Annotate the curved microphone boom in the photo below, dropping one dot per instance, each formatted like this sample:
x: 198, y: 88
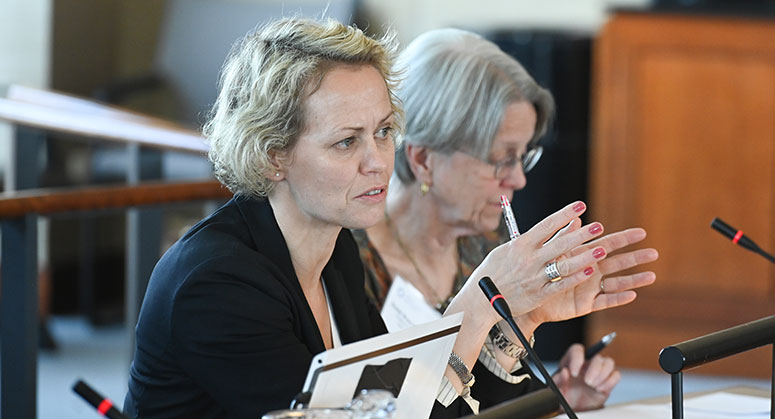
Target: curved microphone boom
x: 500, y: 305
x: 739, y: 238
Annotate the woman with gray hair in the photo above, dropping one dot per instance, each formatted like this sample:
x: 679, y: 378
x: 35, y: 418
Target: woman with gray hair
x: 474, y: 121
x: 303, y: 133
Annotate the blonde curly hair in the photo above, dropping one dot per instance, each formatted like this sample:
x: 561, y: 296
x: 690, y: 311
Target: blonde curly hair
x: 262, y: 86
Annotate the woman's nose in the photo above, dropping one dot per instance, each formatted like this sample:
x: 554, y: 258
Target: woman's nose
x: 377, y: 158
x: 516, y: 179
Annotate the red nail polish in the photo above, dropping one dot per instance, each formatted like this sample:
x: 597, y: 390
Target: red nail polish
x: 596, y: 228
x: 579, y: 207
x: 598, y: 253
x: 588, y: 271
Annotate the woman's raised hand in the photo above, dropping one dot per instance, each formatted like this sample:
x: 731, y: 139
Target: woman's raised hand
x: 518, y: 267
x: 601, y: 291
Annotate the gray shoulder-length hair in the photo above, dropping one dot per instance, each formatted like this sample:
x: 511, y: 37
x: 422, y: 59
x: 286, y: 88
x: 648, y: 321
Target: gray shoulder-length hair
x: 455, y: 89
x: 262, y: 87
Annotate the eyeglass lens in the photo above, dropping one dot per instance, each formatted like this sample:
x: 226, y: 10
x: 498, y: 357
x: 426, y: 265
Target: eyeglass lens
x: 529, y: 160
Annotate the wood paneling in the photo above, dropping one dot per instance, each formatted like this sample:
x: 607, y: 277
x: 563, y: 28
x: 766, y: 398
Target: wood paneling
x: 684, y: 131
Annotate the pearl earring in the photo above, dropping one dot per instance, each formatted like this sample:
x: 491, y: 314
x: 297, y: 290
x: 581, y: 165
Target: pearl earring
x: 277, y: 174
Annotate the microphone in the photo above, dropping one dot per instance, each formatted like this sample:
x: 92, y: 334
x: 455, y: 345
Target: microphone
x: 498, y: 302
x: 739, y: 238
x: 102, y: 404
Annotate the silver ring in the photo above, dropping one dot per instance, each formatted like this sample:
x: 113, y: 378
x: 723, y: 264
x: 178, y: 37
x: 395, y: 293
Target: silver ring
x: 602, y: 288
x: 551, y: 272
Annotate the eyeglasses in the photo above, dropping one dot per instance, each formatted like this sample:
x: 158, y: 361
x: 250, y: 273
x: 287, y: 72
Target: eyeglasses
x: 529, y: 159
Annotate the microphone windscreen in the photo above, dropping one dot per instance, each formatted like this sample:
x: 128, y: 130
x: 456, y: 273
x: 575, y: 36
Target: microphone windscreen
x: 488, y: 287
x: 91, y: 396
x: 723, y: 228
x: 491, y: 291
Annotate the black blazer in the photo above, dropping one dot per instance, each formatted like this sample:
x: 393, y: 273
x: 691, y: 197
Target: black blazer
x: 225, y: 329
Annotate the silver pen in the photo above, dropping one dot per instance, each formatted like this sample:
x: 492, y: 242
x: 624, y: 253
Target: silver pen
x: 511, y: 222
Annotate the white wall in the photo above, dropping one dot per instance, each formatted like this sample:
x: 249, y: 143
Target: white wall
x: 26, y: 28
x: 412, y: 17
x: 25, y: 45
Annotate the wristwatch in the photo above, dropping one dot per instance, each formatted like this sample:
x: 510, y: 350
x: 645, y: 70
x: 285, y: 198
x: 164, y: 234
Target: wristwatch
x: 506, y: 345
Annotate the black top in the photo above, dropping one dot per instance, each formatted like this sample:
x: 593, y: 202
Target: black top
x: 225, y: 329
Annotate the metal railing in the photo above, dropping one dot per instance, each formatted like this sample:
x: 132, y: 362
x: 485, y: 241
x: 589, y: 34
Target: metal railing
x: 51, y: 111
x: 698, y: 351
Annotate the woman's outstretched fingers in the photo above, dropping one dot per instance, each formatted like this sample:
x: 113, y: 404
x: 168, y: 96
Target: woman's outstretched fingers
x: 572, y: 226
x: 580, y: 266
x: 614, y: 284
x: 545, y: 229
x: 619, y: 239
x: 618, y: 290
x: 614, y: 241
x: 567, y: 243
x: 605, y: 301
x: 627, y: 260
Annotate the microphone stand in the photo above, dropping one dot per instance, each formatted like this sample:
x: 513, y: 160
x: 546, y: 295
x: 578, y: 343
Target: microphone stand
x: 740, y: 239
x: 499, y: 304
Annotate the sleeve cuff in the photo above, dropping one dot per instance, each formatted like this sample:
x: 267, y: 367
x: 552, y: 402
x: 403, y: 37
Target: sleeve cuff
x: 447, y: 394
x: 487, y: 358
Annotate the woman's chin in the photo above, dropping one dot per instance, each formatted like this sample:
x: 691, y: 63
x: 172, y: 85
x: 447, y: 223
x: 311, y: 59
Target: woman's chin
x: 365, y: 221
x: 488, y: 225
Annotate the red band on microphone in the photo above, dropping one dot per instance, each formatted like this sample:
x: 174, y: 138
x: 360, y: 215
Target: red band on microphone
x: 737, y: 236
x: 104, y: 406
x: 492, y: 300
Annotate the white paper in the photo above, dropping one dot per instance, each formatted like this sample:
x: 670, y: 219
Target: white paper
x: 730, y: 404
x: 719, y: 405
x: 405, y: 306
x: 334, y: 387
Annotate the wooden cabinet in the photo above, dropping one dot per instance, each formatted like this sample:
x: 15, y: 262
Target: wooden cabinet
x: 684, y: 131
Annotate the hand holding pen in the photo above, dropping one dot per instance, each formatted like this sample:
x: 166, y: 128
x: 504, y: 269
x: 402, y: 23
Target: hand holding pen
x: 596, y: 347
x: 585, y: 379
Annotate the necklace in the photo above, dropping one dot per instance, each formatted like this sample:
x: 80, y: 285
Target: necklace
x: 441, y: 303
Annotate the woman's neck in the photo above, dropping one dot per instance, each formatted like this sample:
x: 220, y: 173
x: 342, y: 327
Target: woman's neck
x: 310, y: 242
x: 419, y: 221
x: 415, y: 244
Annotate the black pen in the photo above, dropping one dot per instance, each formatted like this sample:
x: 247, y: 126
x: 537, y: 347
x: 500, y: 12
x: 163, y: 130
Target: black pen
x: 596, y: 347
x: 599, y: 345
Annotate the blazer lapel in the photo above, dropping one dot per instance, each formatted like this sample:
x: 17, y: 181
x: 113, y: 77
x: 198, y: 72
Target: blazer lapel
x: 269, y: 241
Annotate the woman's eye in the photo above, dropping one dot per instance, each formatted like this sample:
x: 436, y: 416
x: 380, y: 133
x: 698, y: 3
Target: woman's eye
x: 384, y: 132
x: 346, y: 143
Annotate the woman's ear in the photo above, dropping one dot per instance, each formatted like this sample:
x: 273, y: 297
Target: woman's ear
x: 421, y: 162
x: 278, y: 160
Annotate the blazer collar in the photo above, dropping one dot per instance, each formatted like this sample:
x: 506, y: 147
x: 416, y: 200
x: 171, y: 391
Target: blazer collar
x: 267, y: 237
x: 268, y: 240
